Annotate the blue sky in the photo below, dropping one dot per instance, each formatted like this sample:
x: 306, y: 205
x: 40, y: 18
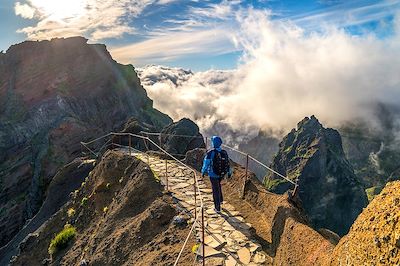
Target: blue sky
x: 199, y: 35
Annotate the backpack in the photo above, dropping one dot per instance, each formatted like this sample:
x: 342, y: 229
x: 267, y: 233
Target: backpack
x: 220, y: 163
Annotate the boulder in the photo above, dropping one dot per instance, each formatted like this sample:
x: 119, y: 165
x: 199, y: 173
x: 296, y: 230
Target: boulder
x: 180, y: 137
x: 195, y: 158
x: 328, y: 189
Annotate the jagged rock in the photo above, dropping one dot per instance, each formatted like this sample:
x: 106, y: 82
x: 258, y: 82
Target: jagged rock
x: 173, y: 138
x: 330, y: 192
x: 179, y: 220
x: 134, y: 126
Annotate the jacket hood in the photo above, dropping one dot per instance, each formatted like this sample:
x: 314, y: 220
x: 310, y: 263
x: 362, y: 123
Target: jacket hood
x: 216, y: 141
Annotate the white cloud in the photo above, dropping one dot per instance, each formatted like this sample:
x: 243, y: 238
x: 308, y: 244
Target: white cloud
x: 348, y: 13
x: 172, y: 45
x: 24, y: 10
x: 165, y: 2
x: 286, y: 74
x: 95, y: 19
x: 202, y: 30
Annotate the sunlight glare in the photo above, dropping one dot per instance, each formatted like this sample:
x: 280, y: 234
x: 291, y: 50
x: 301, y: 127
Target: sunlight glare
x: 60, y: 9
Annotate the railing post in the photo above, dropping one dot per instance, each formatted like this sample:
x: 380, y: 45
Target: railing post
x: 296, y: 187
x: 130, y: 144
x: 119, y: 140
x: 112, y: 141
x: 247, y: 165
x: 195, y: 196
x: 202, y: 235
x: 166, y: 172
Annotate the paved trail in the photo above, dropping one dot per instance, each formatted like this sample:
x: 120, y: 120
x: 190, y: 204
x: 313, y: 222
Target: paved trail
x: 228, y: 238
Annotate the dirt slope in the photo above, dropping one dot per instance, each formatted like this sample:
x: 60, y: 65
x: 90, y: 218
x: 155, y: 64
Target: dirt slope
x: 67, y: 179
x: 135, y: 229
x: 374, y: 238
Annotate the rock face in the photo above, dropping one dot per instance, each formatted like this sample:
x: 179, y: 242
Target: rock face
x: 54, y: 94
x: 374, y: 238
x: 329, y: 191
x: 373, y: 147
x: 173, y: 138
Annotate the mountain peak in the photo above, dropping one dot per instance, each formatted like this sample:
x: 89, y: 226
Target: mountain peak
x: 313, y: 156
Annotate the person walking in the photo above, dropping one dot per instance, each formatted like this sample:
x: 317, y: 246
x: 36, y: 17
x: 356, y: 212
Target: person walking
x: 216, y: 165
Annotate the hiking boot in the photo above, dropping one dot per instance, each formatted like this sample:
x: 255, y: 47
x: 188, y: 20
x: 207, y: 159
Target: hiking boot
x: 217, y: 211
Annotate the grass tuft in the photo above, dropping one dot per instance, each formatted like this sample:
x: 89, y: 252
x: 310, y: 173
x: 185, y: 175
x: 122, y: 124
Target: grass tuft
x: 62, y: 239
x: 84, y: 201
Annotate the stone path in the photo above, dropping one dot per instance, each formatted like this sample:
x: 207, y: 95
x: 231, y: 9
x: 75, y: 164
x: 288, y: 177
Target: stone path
x: 227, y: 235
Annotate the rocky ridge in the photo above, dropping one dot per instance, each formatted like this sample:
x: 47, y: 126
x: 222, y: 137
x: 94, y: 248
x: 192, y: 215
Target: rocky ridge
x: 329, y: 191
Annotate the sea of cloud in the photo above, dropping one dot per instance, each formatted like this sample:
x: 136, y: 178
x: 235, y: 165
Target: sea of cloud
x: 285, y: 74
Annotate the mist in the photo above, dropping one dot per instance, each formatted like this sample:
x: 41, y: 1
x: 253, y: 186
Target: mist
x: 285, y: 74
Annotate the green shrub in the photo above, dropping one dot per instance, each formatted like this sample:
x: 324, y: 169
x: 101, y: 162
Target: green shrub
x: 372, y: 192
x: 62, y: 239
x: 84, y: 201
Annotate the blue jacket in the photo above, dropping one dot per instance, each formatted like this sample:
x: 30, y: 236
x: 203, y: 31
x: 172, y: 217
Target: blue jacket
x: 208, y: 158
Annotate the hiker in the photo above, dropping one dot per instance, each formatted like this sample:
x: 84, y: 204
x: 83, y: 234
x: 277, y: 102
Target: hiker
x: 216, y: 165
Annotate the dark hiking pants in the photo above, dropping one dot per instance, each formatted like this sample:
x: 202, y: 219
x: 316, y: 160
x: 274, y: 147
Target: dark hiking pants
x: 217, y: 192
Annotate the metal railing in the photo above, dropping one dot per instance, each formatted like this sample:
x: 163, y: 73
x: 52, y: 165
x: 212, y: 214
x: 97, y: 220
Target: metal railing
x: 249, y: 162
x: 104, y: 142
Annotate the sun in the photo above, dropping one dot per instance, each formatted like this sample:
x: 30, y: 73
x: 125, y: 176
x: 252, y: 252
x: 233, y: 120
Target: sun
x: 60, y: 9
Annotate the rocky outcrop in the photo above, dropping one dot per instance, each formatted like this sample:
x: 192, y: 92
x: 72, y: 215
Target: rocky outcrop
x: 374, y: 238
x: 174, y: 137
x: 195, y: 158
x: 329, y: 191
x: 54, y: 94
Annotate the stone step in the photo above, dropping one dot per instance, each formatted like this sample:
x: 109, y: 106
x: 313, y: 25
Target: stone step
x: 227, y: 235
